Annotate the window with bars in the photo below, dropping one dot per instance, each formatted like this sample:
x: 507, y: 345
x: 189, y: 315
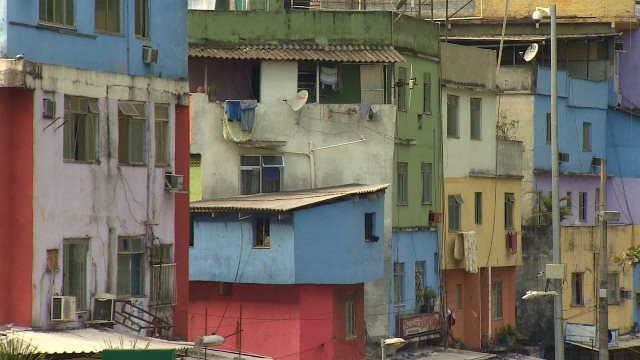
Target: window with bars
x: 455, y: 212
x: 453, y: 114
x: 582, y: 206
x: 262, y: 239
x: 162, y: 134
x: 57, y: 12
x: 478, y: 207
x: 426, y: 93
x: 403, y: 183
x: 398, y: 283
x: 426, y: 170
x: 509, y: 202
x: 80, y: 128
x: 350, y: 315
x: 401, y: 89
x: 131, y: 133
x: 163, y: 272
x: 107, y: 16
x: 420, y: 280
x: 476, y: 118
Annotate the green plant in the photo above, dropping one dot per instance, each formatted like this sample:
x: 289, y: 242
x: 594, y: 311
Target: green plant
x: 543, y: 210
x: 506, y: 128
x: 212, y: 90
x: 427, y: 299
x: 508, y: 335
x: 629, y: 257
x: 15, y: 348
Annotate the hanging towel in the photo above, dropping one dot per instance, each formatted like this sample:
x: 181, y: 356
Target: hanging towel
x: 458, y: 248
x: 374, y: 113
x: 470, y: 252
x: 329, y: 76
x: 247, y: 114
x: 365, y: 108
x: 233, y: 110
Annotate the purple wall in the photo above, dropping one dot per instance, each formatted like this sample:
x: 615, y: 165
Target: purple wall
x: 629, y: 71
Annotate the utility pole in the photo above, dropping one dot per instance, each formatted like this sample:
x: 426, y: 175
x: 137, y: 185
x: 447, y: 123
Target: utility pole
x: 603, y: 306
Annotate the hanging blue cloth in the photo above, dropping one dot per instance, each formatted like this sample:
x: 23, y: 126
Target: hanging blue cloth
x: 233, y: 110
x: 247, y: 114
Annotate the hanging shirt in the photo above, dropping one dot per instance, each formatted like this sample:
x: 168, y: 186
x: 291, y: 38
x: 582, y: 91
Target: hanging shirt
x: 247, y: 114
x: 233, y: 110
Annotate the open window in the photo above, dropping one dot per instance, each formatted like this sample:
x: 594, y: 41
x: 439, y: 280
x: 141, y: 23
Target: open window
x: 262, y: 239
x: 370, y: 227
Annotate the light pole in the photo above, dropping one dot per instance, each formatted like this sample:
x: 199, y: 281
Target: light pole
x: 555, y: 192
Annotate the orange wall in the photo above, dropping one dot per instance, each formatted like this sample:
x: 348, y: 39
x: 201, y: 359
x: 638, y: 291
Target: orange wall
x: 16, y: 205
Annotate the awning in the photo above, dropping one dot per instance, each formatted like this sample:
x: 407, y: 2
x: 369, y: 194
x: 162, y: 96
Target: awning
x: 89, y: 341
x: 315, y: 52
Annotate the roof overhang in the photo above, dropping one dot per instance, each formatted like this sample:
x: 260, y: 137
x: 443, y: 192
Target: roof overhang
x: 295, y: 52
x: 529, y: 38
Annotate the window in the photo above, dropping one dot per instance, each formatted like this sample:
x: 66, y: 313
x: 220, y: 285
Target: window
x: 192, y: 219
x: 452, y: 116
x: 582, y: 206
x: 57, y: 12
x: 162, y: 134
x: 401, y: 87
x: 195, y: 177
x: 454, y: 202
x: 613, y: 288
x: 80, y: 128
x: 108, y: 16
x: 496, y: 299
x: 459, y: 296
x: 426, y: 93
x: 586, y: 136
x: 307, y: 78
x: 596, y: 200
x: 370, y: 227
x: 548, y: 128
x: 403, y: 183
x: 509, y: 200
x: 398, y: 283
x: 569, y: 200
x: 260, y: 174
x: 419, y: 280
x: 262, y: 233
x: 74, y: 273
x: 478, y: 207
x: 350, y: 314
x: 427, y: 175
x: 577, y: 298
x: 131, y: 133
x: 142, y: 18
x: 162, y: 275
x: 476, y: 118
x: 372, y: 84
x: 131, y: 266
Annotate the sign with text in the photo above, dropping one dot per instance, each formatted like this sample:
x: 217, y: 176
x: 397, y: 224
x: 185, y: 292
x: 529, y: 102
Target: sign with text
x: 418, y: 324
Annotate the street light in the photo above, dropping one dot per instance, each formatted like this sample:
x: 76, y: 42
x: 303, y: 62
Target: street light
x: 555, y: 193
x: 209, y: 340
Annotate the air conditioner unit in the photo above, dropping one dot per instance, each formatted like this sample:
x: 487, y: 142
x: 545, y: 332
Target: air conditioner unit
x: 48, y: 108
x: 173, y: 182
x: 596, y: 161
x: 103, y: 309
x: 149, y: 55
x: 638, y: 296
x: 625, y: 294
x: 563, y: 157
x: 435, y: 217
x: 63, y: 308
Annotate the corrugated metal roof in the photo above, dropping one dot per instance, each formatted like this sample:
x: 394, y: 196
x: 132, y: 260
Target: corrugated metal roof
x: 90, y: 341
x: 530, y: 37
x: 284, y: 201
x: 317, y: 52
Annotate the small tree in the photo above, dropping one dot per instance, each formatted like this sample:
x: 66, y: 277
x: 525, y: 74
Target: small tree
x: 506, y: 128
x: 543, y: 210
x: 629, y: 257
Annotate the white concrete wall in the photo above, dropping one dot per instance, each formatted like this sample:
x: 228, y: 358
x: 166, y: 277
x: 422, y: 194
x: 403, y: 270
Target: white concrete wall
x: 98, y: 201
x: 463, y: 155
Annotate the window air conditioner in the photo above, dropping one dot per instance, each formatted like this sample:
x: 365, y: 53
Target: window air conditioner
x: 63, y: 308
x: 48, y: 108
x: 149, y: 55
x: 173, y: 182
x: 435, y: 217
x: 625, y: 294
x: 103, y: 309
x: 563, y: 157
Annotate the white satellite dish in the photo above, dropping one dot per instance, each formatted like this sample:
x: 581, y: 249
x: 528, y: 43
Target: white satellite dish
x: 298, y: 102
x: 531, y: 52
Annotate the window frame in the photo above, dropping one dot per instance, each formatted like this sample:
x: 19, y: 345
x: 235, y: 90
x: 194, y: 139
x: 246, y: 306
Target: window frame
x: 401, y: 88
x: 262, y: 237
x: 142, y: 21
x: 453, y: 116
x: 69, y: 271
x: 454, y: 207
x: 258, y: 169
x: 113, y: 29
x: 509, y: 209
x: 163, y: 272
x: 548, y: 129
x: 132, y: 255
x: 350, y: 315
x: 162, y: 138
x: 582, y: 206
x: 577, y: 289
x: 459, y: 300
x: 398, y: 284
x: 370, y: 227
x: 496, y: 300
x: 475, y: 129
x: 402, y: 176
x: 65, y: 15
x: 426, y: 172
x: 420, y: 276
x: 129, y: 114
x: 613, y: 288
x: 586, y: 136
x: 426, y: 93
x: 478, y: 207
x: 76, y: 120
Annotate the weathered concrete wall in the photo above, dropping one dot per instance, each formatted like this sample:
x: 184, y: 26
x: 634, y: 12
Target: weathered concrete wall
x: 509, y: 158
x: 468, y: 66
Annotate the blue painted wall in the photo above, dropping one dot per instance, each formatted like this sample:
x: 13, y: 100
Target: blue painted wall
x: 331, y: 246
x: 318, y: 245
x: 636, y: 288
x: 409, y: 247
x: 85, y: 48
x: 578, y: 101
x: 623, y: 148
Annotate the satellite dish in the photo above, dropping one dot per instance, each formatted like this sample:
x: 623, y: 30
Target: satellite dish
x: 298, y: 102
x: 531, y: 52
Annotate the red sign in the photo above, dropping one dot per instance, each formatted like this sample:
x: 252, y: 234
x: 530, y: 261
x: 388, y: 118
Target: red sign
x: 418, y: 324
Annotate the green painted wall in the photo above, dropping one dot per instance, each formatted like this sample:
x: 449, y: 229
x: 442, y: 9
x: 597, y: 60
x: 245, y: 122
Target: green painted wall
x: 117, y: 354
x: 425, y: 130
x: 349, y: 93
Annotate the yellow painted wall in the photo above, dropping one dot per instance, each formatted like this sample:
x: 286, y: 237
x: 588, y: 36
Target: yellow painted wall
x: 491, y: 240
x: 593, y: 9
x: 195, y: 180
x: 579, y: 251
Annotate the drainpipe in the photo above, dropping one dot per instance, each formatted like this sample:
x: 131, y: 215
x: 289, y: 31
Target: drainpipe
x: 112, y: 179
x: 489, y: 317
